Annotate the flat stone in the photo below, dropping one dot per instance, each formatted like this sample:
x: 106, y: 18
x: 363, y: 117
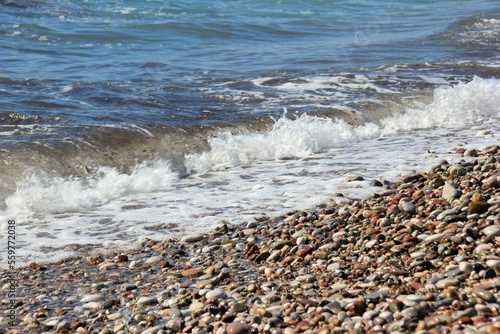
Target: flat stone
x: 238, y: 328
x: 443, y: 214
x: 478, y: 207
x: 192, y: 272
x: 491, y: 231
x: 147, y: 300
x: 484, y: 295
x: 191, y: 238
x: 274, y: 256
x: 153, y: 260
x: 410, y: 312
x: 196, y: 306
x: 215, y: 294
x: 92, y: 298
x: 466, y: 266
x: 92, y: 305
x: 418, y: 255
x: 371, y: 243
x: 493, y: 263
x: 352, y: 178
x: 444, y: 283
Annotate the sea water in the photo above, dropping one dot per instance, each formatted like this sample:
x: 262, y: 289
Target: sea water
x: 127, y: 120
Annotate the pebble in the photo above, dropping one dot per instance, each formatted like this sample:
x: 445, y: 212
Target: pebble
x: 215, y: 294
x: 191, y: 238
x: 92, y: 298
x: 237, y: 328
x: 147, y: 300
x: 491, y: 231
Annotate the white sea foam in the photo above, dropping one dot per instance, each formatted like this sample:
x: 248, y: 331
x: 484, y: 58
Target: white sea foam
x: 249, y: 176
x: 39, y: 194
x: 306, y: 135
x: 451, y: 106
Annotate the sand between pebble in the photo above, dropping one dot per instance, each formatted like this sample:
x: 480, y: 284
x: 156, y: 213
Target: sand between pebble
x: 420, y: 256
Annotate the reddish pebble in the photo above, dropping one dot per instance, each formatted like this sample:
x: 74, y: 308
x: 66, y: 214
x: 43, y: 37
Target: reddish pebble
x: 304, y: 252
x: 410, y: 239
x: 122, y: 258
x: 416, y: 285
x: 77, y: 324
x: 302, y: 326
x: 34, y: 265
x: 393, y: 209
x: 164, y: 264
x: 358, y: 307
x: 465, y: 320
x: 191, y: 272
x: 237, y: 328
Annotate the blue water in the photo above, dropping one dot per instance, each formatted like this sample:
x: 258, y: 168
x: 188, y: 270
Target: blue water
x: 162, y: 62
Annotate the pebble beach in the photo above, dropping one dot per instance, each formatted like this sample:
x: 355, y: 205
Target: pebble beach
x: 422, y: 255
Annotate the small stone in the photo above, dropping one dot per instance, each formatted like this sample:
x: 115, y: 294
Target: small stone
x: 92, y: 298
x: 262, y: 256
x: 196, y: 306
x: 457, y: 171
x: 491, y: 231
x: 174, y: 325
x: 444, y: 283
x: 153, y: 260
x: 215, y: 294
x: 471, y: 152
x: 239, y: 307
x: 304, y: 252
x: 352, y: 178
x: 108, y: 304
x: 122, y: 258
x: 64, y: 325
x: 408, y: 207
x: 191, y: 238
x: 465, y: 266
x: 274, y: 256
x: 193, y: 272
x: 237, y: 328
x: 478, y: 207
x: 399, y: 272
x: 147, y: 300
x: 476, y: 197
x: 484, y: 295
x: 490, y: 273
x: 450, y: 192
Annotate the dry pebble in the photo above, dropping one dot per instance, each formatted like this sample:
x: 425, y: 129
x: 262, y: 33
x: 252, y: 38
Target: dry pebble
x: 420, y: 256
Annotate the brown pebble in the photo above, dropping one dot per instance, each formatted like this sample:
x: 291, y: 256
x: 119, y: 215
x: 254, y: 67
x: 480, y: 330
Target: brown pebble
x: 476, y: 197
x: 478, y: 207
x: 122, y: 258
x: 193, y: 272
x: 164, y: 264
x: 79, y: 323
x: 465, y: 320
x: 302, y: 326
x: 304, y: 252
